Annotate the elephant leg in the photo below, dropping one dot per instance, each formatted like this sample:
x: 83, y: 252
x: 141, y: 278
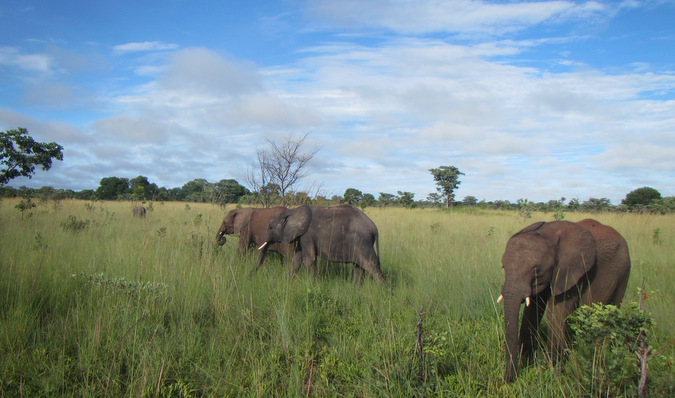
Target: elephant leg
x: 358, y: 274
x: 532, y: 316
x: 310, y: 265
x: 243, y: 246
x: 295, y: 264
x: 369, y: 262
x: 560, y: 307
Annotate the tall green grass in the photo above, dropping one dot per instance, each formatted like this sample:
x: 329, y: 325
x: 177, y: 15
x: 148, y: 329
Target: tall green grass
x: 153, y: 307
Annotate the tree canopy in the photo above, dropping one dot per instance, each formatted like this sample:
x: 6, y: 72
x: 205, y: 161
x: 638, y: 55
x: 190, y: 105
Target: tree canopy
x: 447, y: 179
x: 641, y: 197
x: 20, y: 153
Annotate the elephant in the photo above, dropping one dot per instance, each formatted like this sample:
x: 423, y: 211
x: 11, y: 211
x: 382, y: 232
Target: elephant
x: 251, y: 224
x: 561, y: 265
x: 139, y: 211
x: 341, y: 234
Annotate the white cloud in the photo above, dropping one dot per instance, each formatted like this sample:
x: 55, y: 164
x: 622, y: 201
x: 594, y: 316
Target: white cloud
x: 29, y: 62
x: 453, y: 16
x: 143, y: 47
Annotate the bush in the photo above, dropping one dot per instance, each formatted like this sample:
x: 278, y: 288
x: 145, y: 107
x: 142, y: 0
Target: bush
x: 606, y: 339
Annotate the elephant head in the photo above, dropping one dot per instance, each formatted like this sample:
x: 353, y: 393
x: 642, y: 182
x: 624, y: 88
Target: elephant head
x: 288, y: 225
x: 233, y: 223
x: 542, y: 261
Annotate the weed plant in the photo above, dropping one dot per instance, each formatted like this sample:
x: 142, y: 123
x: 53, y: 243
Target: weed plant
x: 94, y: 302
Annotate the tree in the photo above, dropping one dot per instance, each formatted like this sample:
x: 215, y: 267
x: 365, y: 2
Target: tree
x: 227, y: 191
x: 641, y: 197
x: 386, y: 199
x: 19, y: 154
x: 596, y: 205
x: 141, y: 188
x: 470, y: 200
x: 447, y: 179
x: 406, y: 200
x: 282, y: 164
x: 112, y: 188
x: 194, y: 191
x: 352, y: 196
x: 367, y: 200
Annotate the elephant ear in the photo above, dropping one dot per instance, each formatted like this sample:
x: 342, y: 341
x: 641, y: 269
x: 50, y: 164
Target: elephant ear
x: 296, y: 223
x: 242, y: 217
x: 576, y: 256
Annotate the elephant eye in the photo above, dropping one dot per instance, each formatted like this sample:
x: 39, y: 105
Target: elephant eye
x: 537, y: 270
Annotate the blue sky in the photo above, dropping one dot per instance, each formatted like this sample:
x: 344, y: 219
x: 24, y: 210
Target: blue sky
x: 530, y: 99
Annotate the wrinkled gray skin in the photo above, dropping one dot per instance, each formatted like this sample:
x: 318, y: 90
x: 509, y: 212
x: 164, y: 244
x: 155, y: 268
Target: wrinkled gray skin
x: 341, y: 234
x: 251, y: 224
x: 139, y: 211
x: 560, y: 265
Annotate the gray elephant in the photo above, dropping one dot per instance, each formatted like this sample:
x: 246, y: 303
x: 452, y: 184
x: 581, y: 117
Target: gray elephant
x: 341, y: 234
x: 251, y: 224
x: 139, y: 211
x: 561, y: 265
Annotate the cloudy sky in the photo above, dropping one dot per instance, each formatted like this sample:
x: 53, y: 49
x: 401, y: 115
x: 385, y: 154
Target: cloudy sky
x: 530, y: 99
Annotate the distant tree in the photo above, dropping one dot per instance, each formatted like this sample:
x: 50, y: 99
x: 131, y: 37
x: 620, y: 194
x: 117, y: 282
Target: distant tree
x: 352, y: 196
x: 85, y: 194
x: 641, y: 197
x: 406, y: 199
x: 595, y: 205
x: 434, y: 198
x: 112, y: 188
x: 227, y: 191
x: 283, y: 164
x: 470, y: 200
x: 368, y: 200
x: 19, y: 154
x: 664, y: 205
x: 194, y: 191
x: 447, y: 179
x: 386, y: 199
x: 141, y: 188
x: 574, y: 204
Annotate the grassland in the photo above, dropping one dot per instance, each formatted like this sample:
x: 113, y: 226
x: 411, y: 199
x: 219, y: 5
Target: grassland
x: 96, y: 303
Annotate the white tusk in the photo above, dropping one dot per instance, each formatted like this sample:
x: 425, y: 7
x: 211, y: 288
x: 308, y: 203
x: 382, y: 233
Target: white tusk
x: 501, y: 297
x: 263, y: 245
x: 527, y: 301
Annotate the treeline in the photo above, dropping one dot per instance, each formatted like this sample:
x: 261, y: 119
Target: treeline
x: 229, y: 191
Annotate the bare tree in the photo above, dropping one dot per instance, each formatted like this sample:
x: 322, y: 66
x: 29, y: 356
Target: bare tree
x: 281, y: 164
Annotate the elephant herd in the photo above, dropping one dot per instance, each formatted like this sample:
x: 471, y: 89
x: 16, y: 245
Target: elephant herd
x: 557, y: 265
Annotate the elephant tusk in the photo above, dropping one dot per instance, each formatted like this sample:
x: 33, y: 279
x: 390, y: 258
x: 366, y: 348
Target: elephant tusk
x: 263, y: 245
x: 527, y: 301
x: 501, y: 297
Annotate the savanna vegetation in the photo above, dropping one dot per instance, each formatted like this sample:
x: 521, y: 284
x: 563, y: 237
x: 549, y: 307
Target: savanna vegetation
x: 94, y: 302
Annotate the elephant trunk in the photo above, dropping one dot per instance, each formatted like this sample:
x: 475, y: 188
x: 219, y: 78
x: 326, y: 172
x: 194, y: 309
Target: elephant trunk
x: 262, y: 251
x: 220, y: 238
x: 511, y: 317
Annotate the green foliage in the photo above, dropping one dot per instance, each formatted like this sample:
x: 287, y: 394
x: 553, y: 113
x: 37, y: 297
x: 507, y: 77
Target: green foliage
x: 112, y: 188
x: 406, y: 199
x: 25, y: 205
x: 20, y: 153
x: 74, y: 224
x: 525, y: 208
x: 641, y: 197
x: 606, y: 339
x: 447, y: 179
x: 352, y: 196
